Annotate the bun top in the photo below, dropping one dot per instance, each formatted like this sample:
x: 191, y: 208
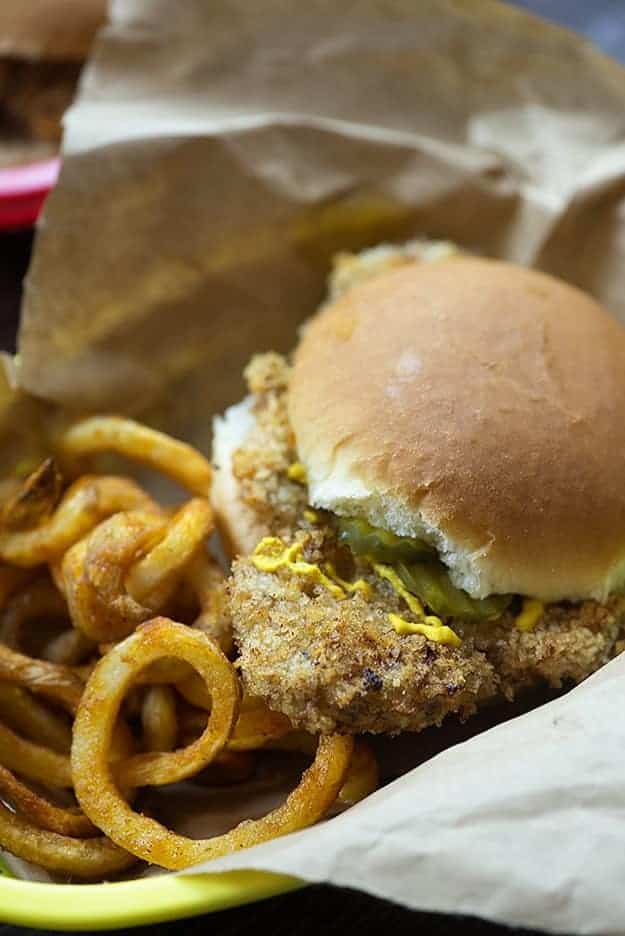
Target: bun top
x: 480, y: 406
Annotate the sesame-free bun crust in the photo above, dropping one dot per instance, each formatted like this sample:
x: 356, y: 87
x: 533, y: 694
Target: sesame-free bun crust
x: 479, y: 405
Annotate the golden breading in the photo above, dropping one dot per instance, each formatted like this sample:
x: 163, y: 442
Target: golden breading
x: 261, y: 466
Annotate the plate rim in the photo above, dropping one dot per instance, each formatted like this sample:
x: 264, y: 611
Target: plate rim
x: 144, y: 901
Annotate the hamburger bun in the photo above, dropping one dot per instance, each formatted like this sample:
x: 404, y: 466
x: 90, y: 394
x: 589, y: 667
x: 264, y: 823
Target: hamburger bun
x: 477, y: 405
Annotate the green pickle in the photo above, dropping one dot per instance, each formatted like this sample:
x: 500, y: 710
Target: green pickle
x: 430, y: 582
x: 420, y: 570
x: 366, y: 540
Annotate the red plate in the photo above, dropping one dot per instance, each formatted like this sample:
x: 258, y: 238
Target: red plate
x: 23, y: 190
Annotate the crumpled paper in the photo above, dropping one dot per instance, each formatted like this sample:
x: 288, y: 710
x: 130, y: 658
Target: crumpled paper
x: 217, y: 157
x: 523, y: 824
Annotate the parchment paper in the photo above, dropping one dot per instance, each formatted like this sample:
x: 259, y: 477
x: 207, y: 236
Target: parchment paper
x: 218, y: 155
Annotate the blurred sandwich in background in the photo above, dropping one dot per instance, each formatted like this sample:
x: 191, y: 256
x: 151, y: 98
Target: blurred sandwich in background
x: 43, y: 45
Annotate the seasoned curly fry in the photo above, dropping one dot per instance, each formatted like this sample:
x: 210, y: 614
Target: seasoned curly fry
x: 64, y: 820
x: 105, y: 558
x: 257, y: 725
x: 36, y: 722
x: 95, y: 569
x: 363, y: 776
x: 40, y: 599
x: 33, y: 761
x: 127, y: 568
x: 84, y: 858
x: 173, y: 458
x: 96, y: 790
x: 157, y: 571
x: 115, y: 674
x: 158, y: 719
x: 35, y: 499
x: 207, y: 581
x: 151, y: 841
x: 85, y: 504
x: 193, y: 690
x: 53, y: 680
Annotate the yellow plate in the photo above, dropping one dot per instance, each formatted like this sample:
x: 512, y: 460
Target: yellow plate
x: 133, y: 903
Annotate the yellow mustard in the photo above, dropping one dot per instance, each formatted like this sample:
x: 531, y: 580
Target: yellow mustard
x: 429, y: 626
x: 272, y: 554
x: 439, y: 633
x: 358, y: 586
x: 388, y: 572
x: 311, y: 515
x: 297, y: 472
x: 531, y: 613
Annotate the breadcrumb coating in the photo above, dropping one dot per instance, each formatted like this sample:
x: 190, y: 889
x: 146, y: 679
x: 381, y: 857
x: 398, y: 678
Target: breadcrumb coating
x: 260, y: 467
x: 338, y: 665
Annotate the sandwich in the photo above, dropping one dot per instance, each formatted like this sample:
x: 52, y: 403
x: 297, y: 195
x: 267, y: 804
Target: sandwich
x: 425, y: 505
x: 43, y: 45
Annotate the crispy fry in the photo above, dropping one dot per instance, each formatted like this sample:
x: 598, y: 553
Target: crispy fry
x: 167, y: 670
x: 35, y: 499
x: 95, y: 569
x: 85, y: 504
x: 55, y: 568
x: 105, y: 691
x: 257, y: 725
x: 173, y: 458
x: 158, y: 719
x: 155, y: 573
x: 64, y: 820
x: 151, y: 841
x: 33, y: 761
x: 36, y: 722
x: 363, y: 776
x: 361, y: 779
x: 53, y: 680
x: 116, y: 559
x: 193, y: 690
x: 207, y: 581
x: 84, y: 858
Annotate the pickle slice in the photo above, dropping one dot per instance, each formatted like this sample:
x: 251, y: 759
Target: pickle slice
x: 420, y: 570
x: 374, y: 543
x: 430, y: 582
